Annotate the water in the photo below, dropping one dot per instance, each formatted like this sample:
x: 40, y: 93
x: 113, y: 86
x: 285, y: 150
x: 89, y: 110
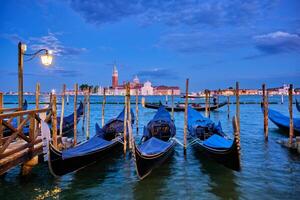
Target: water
x: 268, y: 170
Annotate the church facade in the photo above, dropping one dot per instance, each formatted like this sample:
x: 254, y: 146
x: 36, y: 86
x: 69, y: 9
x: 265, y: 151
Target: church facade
x: 136, y: 87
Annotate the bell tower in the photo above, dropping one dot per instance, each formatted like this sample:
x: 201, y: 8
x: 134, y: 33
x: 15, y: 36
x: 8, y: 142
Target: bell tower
x: 115, y: 77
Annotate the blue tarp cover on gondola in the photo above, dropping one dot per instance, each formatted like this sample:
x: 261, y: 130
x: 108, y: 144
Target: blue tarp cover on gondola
x: 218, y: 142
x: 120, y: 117
x: 153, y: 146
x: 283, y: 120
x: 70, y: 118
x: 162, y: 115
x: 93, y: 144
x: 196, y: 119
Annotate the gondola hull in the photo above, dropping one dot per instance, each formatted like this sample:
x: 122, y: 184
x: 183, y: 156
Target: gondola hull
x: 181, y: 109
x: 230, y: 158
x: 68, y: 121
x: 297, y: 105
x: 59, y: 166
x: 283, y: 122
x: 285, y: 129
x: 145, y: 164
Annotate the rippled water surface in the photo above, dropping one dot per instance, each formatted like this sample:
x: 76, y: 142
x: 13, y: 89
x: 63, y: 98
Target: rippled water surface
x: 268, y: 170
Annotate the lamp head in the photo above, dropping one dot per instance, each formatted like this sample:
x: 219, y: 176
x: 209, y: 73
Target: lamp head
x: 47, y: 58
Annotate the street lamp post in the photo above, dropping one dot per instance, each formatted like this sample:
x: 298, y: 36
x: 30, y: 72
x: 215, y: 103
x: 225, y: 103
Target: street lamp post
x: 46, y: 59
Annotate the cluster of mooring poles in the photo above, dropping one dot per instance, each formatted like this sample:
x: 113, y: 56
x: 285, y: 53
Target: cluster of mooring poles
x: 236, y: 118
x: 57, y: 135
x: 265, y: 105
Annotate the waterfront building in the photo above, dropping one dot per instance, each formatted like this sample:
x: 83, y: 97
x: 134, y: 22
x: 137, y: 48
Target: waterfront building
x: 137, y: 87
x: 147, y: 89
x: 166, y: 90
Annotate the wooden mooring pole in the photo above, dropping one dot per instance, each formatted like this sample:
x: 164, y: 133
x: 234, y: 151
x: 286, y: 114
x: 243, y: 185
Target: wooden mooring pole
x: 125, y: 121
x: 103, y: 106
x: 37, y: 99
x: 37, y: 95
x: 237, y: 95
x: 54, y: 121
x: 228, y: 106
x: 75, y: 112
x: 88, y: 115
x: 129, y: 118
x: 185, y: 115
x: 84, y: 109
x: 137, y: 110
x: 62, y: 110
x: 209, y: 103
x: 206, y: 102
x: 172, y: 104
x: 265, y: 109
x: 291, y: 114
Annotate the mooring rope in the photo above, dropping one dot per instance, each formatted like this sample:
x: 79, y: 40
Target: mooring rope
x: 118, y: 139
x: 196, y: 140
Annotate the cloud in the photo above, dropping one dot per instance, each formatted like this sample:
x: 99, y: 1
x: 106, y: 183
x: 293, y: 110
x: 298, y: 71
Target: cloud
x: 47, y: 72
x: 157, y: 74
x: 51, y: 42
x: 187, y: 12
x: 278, y: 42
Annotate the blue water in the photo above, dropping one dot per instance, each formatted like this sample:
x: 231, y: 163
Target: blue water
x: 268, y: 170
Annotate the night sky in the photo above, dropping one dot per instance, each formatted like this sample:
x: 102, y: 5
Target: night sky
x: 214, y: 43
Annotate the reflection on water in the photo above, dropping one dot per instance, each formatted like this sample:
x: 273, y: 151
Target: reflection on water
x: 268, y: 170
x: 151, y: 186
x: 222, y: 180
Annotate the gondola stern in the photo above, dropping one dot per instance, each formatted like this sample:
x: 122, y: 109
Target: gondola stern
x: 138, y: 164
x: 52, y: 152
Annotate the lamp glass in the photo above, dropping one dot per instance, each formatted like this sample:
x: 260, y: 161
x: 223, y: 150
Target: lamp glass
x: 46, y: 59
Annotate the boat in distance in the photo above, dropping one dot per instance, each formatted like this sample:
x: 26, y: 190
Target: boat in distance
x: 181, y: 107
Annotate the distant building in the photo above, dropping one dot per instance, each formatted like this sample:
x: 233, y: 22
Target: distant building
x: 166, y: 90
x: 137, y: 87
x: 115, y: 77
x: 283, y: 90
x: 147, y: 89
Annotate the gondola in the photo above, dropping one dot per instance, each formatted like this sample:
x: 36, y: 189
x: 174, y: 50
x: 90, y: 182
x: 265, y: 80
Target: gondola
x: 68, y: 121
x: 283, y: 122
x: 180, y: 107
x: 107, y: 140
x: 297, y: 105
x: 211, y: 141
x: 156, y: 144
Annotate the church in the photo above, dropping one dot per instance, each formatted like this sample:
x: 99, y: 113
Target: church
x: 137, y: 87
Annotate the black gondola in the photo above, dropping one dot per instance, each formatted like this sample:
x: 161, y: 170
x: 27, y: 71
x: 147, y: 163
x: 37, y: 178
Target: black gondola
x: 106, y: 140
x: 212, y: 141
x: 297, y: 105
x: 180, y: 107
x: 283, y: 122
x: 68, y: 121
x: 156, y: 144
